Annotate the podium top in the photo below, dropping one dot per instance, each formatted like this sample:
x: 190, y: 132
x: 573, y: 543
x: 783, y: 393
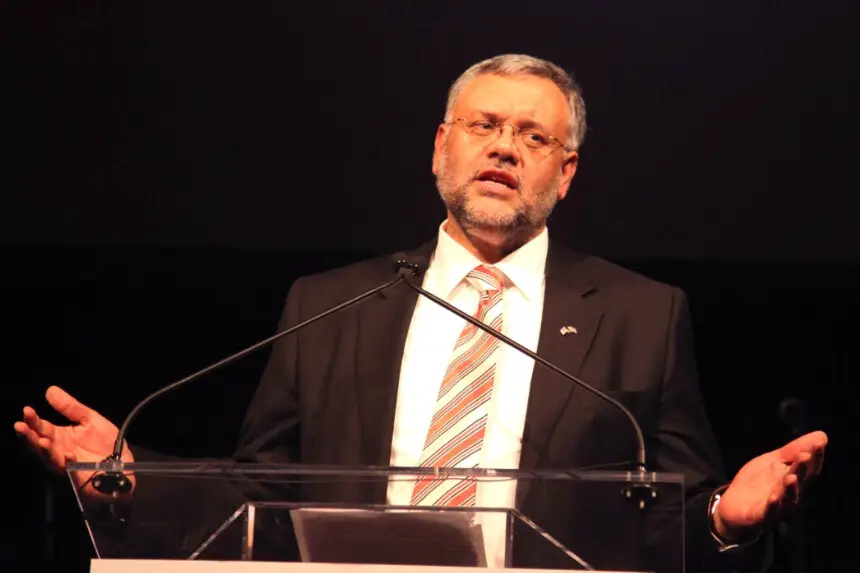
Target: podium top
x: 226, y: 469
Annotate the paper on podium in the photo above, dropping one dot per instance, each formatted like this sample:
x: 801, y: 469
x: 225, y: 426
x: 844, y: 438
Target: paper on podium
x: 409, y: 537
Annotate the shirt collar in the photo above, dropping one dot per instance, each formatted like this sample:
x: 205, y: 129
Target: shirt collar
x: 524, y: 267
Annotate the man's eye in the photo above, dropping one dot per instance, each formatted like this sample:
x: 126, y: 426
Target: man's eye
x: 535, y: 137
x: 483, y: 126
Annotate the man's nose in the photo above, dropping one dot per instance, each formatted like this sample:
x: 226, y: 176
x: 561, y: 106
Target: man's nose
x: 504, y: 146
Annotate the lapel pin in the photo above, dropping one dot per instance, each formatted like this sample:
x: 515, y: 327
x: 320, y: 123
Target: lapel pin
x: 567, y: 329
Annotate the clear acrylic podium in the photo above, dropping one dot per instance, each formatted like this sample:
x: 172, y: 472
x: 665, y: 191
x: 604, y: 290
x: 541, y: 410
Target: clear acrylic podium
x: 298, y: 518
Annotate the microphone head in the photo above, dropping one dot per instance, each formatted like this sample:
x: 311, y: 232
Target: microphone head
x: 409, y: 266
x: 792, y: 413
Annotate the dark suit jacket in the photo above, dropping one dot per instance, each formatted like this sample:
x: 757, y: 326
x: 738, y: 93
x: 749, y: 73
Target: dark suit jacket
x: 328, y: 396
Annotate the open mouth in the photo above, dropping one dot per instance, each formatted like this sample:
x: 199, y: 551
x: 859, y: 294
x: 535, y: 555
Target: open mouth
x: 498, y: 179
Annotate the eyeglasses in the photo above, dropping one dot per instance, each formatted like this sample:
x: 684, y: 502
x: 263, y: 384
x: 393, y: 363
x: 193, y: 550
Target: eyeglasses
x: 531, y: 138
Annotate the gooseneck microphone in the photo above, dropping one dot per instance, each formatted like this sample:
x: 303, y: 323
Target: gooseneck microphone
x: 112, y: 481
x: 641, y: 491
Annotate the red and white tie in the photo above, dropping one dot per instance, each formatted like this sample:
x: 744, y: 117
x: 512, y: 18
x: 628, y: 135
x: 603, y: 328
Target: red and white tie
x: 460, y: 418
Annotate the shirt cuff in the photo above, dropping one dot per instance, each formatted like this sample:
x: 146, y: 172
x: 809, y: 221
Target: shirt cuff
x: 726, y: 545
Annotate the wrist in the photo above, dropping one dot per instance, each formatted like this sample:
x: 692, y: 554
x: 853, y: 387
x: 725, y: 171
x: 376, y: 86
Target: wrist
x: 729, y: 537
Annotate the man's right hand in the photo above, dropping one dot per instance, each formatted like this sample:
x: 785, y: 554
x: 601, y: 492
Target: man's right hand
x: 89, y: 438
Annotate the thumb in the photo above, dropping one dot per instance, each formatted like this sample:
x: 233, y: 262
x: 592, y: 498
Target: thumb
x: 68, y: 406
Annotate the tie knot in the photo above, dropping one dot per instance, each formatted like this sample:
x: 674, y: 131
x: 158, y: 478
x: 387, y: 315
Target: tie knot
x: 488, y: 277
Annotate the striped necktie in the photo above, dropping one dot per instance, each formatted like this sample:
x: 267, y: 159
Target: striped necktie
x: 460, y: 417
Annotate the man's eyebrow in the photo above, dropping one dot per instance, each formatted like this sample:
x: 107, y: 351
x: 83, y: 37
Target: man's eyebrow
x: 530, y: 123
x: 523, y: 124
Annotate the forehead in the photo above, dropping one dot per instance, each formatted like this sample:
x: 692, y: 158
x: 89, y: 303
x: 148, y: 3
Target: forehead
x: 515, y: 97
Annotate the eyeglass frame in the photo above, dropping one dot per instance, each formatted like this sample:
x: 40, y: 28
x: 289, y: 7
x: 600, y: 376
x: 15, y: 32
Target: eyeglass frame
x: 499, y: 129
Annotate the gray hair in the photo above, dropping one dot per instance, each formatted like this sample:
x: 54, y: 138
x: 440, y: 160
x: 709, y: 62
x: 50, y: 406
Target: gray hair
x: 520, y: 64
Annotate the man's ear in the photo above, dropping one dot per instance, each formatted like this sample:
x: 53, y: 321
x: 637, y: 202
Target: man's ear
x: 568, y: 170
x: 438, y: 146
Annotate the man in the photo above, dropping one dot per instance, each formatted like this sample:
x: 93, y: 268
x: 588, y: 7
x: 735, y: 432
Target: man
x: 397, y: 380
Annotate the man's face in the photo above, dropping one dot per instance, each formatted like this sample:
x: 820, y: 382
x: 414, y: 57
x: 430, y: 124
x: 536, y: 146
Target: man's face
x: 497, y: 183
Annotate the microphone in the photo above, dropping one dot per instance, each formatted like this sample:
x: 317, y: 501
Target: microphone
x: 792, y: 413
x: 638, y: 490
x: 112, y: 481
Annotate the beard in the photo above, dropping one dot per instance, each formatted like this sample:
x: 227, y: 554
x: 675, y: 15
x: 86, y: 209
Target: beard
x: 522, y: 219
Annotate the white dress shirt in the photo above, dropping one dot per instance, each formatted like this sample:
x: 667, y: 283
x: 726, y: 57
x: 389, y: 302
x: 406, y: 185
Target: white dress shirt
x: 432, y: 334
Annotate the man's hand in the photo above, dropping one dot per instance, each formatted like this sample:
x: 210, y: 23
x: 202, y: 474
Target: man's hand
x: 89, y: 438
x: 768, y: 485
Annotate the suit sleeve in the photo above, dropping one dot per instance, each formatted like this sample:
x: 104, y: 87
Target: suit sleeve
x: 270, y: 431
x: 685, y: 443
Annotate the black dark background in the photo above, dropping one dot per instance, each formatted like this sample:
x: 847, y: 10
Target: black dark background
x: 171, y: 168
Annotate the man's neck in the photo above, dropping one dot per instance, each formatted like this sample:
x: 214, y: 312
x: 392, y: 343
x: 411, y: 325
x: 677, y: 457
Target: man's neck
x: 488, y: 245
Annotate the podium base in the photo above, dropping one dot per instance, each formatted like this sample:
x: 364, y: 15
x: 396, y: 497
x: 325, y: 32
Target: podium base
x: 186, y: 566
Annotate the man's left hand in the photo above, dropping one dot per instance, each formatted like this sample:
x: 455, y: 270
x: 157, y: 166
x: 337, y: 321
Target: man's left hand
x: 768, y: 485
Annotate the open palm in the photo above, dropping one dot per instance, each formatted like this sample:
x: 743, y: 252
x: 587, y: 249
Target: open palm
x: 770, y: 483
x: 89, y: 438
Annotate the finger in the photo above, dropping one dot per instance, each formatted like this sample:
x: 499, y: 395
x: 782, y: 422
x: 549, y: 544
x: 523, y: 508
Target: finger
x: 28, y: 434
x: 806, y: 443
x: 792, y: 492
x: 785, y: 496
x: 67, y: 405
x: 806, y: 469
x: 774, y: 500
x: 42, y: 447
x: 800, y: 468
x: 40, y: 426
x: 816, y: 463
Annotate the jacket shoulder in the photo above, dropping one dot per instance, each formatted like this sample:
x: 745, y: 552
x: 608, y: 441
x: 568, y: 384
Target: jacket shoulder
x: 623, y: 288
x: 615, y: 276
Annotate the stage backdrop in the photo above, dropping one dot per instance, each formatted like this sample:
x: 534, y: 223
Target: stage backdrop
x: 170, y: 169
x: 716, y: 132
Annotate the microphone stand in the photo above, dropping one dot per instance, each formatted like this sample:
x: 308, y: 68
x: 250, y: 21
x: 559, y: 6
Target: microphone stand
x: 113, y: 482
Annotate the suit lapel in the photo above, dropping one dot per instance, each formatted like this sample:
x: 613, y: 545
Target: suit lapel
x: 382, y: 328
x: 566, y: 304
